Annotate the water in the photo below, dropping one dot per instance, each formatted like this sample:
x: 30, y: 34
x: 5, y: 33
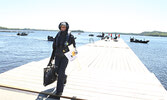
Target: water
x: 18, y: 50
x: 153, y: 55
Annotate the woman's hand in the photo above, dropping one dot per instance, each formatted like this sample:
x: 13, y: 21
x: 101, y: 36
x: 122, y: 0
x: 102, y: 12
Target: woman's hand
x: 76, y: 52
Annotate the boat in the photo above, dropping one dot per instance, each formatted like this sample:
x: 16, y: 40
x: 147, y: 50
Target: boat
x: 22, y: 34
x: 91, y: 34
x: 100, y: 35
x: 138, y: 41
x: 50, y: 38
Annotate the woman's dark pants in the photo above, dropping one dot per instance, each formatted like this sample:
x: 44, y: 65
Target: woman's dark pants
x: 61, y: 62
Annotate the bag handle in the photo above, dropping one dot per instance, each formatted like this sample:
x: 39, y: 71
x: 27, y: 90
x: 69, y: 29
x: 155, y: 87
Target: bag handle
x: 51, y: 58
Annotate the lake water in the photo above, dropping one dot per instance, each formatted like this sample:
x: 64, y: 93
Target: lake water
x: 18, y: 50
x: 153, y: 55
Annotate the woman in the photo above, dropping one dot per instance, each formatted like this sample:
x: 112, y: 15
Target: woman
x: 61, y: 42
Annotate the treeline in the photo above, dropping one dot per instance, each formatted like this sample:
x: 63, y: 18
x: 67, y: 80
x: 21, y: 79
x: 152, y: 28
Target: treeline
x: 155, y: 33
x: 5, y: 28
x: 77, y: 31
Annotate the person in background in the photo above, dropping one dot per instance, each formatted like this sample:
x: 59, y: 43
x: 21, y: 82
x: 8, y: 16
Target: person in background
x: 60, y: 44
x: 111, y: 36
x: 118, y: 35
x: 103, y: 34
x: 115, y: 36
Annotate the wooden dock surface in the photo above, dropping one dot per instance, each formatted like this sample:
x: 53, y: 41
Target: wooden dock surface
x: 104, y: 70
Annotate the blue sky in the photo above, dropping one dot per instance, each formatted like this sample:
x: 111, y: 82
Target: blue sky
x: 88, y: 15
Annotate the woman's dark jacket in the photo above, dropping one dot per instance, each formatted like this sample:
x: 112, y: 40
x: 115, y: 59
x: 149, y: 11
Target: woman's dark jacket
x: 59, y: 43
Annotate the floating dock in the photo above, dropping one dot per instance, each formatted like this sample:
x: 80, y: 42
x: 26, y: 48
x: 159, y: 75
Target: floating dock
x: 104, y: 70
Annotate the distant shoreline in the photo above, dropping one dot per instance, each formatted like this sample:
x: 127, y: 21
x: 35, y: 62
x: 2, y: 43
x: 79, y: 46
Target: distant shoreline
x: 18, y: 30
x: 137, y: 34
x: 4, y: 29
x: 153, y: 33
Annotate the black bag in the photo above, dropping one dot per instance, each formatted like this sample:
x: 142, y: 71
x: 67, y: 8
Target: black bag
x: 50, y: 72
x: 50, y: 75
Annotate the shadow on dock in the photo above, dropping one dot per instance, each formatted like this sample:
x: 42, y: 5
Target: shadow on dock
x: 43, y: 96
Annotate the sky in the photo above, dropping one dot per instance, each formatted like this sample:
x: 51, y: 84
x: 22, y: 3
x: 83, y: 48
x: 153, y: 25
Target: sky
x: 89, y: 15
